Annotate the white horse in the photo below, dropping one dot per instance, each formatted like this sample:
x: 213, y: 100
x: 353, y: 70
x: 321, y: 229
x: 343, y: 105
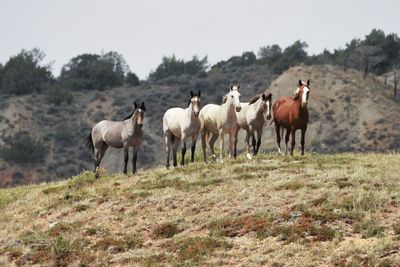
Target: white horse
x: 179, y: 124
x: 252, y: 119
x: 220, y: 120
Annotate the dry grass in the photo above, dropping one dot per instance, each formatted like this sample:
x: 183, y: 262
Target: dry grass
x: 324, y: 210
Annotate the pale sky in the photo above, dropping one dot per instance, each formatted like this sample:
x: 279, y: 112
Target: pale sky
x: 145, y: 31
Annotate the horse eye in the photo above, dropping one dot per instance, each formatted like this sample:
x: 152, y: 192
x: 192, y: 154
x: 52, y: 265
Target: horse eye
x: 232, y: 96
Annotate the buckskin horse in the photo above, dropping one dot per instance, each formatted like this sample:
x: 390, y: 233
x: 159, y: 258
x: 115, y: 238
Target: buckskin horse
x: 292, y: 114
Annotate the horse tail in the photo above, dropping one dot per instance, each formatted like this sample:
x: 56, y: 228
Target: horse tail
x: 89, y: 142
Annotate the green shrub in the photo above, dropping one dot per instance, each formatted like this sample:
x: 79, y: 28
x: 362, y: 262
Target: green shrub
x: 22, y: 148
x: 57, y: 95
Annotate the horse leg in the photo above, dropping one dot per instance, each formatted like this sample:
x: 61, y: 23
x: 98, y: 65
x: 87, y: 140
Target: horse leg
x: 287, y: 140
x: 134, y: 159
x: 193, y: 148
x: 231, y: 138
x: 174, y: 150
x: 214, y: 138
x: 278, y: 137
x: 235, y: 142
x: 167, y: 137
x: 99, y: 154
x: 303, y: 133
x: 221, y: 144
x: 183, y: 149
x: 247, y: 140
x: 126, y: 158
x: 259, y: 134
x: 204, y: 136
x: 293, y: 141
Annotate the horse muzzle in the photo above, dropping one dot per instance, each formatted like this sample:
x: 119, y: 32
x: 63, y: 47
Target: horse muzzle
x: 196, y: 113
x: 269, y: 116
x: 303, y: 104
x: 140, y: 125
x: 238, y: 108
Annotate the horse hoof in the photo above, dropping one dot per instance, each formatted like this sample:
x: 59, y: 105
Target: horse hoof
x: 249, y: 156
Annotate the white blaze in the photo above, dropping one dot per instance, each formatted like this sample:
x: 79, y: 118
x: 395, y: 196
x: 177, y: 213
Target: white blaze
x: 304, y: 96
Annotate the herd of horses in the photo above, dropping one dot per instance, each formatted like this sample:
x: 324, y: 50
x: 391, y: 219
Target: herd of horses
x: 211, y: 121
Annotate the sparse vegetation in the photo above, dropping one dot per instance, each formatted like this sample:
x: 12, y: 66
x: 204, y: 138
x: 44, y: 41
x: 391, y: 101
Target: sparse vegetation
x: 325, y: 209
x: 22, y: 148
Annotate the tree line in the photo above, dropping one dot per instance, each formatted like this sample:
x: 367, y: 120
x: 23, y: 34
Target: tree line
x: 24, y: 73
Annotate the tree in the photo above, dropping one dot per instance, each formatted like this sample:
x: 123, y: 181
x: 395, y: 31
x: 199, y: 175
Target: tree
x: 270, y: 53
x: 171, y: 66
x: 23, y: 74
x: 366, y: 57
x: 132, y: 79
x: 291, y: 56
x: 120, y: 67
x: 396, y: 80
x: 92, y: 71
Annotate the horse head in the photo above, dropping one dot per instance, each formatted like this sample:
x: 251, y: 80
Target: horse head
x: 303, y: 92
x: 267, y: 104
x: 138, y: 114
x: 233, y: 96
x: 195, y: 102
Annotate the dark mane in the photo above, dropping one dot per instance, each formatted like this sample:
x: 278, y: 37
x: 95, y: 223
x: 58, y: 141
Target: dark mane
x: 256, y: 97
x: 130, y: 115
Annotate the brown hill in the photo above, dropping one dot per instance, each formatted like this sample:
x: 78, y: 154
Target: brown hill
x: 348, y: 113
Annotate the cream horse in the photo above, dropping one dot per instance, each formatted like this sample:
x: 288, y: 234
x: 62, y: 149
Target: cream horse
x: 220, y: 120
x: 179, y: 124
x: 252, y: 119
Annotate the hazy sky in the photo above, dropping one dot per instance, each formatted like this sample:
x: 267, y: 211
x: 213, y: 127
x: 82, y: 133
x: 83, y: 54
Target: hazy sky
x: 144, y: 31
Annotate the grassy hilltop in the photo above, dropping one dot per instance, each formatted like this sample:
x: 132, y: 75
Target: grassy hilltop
x: 339, y: 209
x: 347, y: 113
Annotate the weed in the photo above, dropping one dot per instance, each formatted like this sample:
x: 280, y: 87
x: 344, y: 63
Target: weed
x: 165, y: 230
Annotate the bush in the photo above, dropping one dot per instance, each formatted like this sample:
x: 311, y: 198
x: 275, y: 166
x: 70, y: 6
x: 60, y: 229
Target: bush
x: 22, y: 148
x: 57, y: 95
x: 132, y: 79
x: 22, y: 74
x: 92, y: 71
x: 171, y: 66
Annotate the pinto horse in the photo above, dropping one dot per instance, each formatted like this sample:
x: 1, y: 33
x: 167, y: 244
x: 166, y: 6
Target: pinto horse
x: 292, y: 114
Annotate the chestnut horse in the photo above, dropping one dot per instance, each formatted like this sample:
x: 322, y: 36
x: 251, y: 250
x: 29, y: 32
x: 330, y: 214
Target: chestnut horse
x: 292, y: 114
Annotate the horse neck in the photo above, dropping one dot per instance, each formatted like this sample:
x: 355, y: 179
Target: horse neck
x: 133, y: 125
x: 258, y: 107
x: 188, y: 112
x: 228, y: 106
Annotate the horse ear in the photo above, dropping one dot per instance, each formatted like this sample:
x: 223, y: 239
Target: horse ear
x: 142, y: 106
x: 263, y: 97
x: 238, y: 87
x: 199, y: 93
x: 136, y: 105
x: 300, y: 83
x: 231, y: 87
x: 191, y: 93
x: 308, y: 82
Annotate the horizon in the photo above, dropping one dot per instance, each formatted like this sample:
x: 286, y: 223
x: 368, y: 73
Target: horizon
x: 144, y: 37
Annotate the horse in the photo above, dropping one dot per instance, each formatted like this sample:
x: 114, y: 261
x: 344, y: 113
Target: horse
x: 292, y: 114
x: 179, y: 124
x: 252, y: 118
x: 118, y: 134
x: 218, y: 120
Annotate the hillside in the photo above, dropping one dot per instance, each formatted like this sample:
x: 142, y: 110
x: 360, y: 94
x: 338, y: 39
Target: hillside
x: 329, y: 210
x: 348, y: 113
